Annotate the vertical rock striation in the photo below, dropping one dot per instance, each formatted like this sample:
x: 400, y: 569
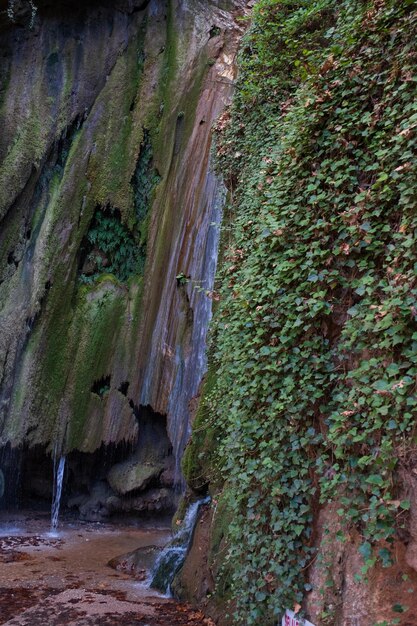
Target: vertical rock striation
x: 107, y: 195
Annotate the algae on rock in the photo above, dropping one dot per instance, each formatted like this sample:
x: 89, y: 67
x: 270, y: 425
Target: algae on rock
x: 113, y: 120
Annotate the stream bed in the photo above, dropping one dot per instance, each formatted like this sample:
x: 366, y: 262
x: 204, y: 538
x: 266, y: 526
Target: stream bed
x: 63, y: 578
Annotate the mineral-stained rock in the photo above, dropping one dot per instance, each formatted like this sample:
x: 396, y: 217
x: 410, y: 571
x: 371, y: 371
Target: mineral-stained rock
x: 132, y: 475
x: 138, y: 563
x: 156, y: 500
x: 168, y: 475
x: 79, y: 92
x: 94, y: 506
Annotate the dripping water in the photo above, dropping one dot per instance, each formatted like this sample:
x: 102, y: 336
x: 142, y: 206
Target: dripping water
x: 173, y: 555
x: 57, y: 493
x: 190, y: 368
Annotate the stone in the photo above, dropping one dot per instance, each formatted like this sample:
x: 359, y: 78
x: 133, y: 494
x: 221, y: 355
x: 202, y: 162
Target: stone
x: 94, y: 506
x: 137, y: 563
x: 133, y: 475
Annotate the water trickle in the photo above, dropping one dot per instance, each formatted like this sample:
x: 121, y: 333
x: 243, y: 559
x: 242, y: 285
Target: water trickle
x: 56, y: 499
x: 173, y: 555
x: 178, y: 359
x: 190, y: 368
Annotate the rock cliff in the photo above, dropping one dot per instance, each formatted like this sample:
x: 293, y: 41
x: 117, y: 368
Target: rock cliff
x: 110, y: 212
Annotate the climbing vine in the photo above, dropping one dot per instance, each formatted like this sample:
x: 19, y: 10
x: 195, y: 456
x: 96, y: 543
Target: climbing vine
x: 315, y: 337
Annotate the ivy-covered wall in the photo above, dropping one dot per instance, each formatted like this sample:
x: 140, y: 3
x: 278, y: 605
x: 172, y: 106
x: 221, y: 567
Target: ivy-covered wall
x: 310, y: 420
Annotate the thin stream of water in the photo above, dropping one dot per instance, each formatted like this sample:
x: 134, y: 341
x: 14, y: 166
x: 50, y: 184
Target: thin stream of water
x: 56, y: 500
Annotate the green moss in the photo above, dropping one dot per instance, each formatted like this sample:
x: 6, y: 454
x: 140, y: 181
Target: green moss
x: 145, y: 178
x: 50, y: 388
x: 5, y: 76
x: 27, y: 148
x: 45, y: 385
x: 198, y: 460
x: 77, y: 350
x: 83, y: 333
x: 221, y: 521
x: 65, y: 103
x: 120, y: 135
x: 180, y: 513
x: 170, y: 64
x: 12, y: 238
x: 94, y: 331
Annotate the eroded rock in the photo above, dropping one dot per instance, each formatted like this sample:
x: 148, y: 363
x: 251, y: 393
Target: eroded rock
x: 94, y: 506
x: 132, y: 475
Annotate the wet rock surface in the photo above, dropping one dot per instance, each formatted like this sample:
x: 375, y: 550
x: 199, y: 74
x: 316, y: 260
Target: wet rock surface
x: 136, y: 563
x: 65, y: 579
x: 132, y: 475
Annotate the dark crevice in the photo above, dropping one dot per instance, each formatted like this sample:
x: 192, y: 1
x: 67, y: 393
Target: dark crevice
x: 148, y: 419
x: 30, y: 321
x: 29, y: 473
x: 11, y: 260
x: 124, y: 387
x: 101, y: 386
x: 179, y: 132
x: 141, y: 7
x: 89, y: 490
x: 214, y: 31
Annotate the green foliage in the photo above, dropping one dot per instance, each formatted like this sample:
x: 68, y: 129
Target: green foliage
x: 283, y: 46
x: 315, y: 335
x: 112, y: 249
x: 197, y: 460
x: 145, y: 178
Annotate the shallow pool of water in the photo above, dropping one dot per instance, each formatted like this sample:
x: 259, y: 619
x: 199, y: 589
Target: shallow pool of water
x: 63, y: 577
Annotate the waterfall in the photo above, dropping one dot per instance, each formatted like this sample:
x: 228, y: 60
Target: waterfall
x: 56, y: 499
x: 187, y: 357
x: 173, y: 555
x: 191, y: 368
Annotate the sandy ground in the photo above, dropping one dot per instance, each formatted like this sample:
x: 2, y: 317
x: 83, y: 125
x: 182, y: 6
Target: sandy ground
x: 63, y: 578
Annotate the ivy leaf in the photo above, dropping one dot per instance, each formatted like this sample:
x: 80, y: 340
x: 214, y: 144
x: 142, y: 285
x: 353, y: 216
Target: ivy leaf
x: 375, y: 479
x: 365, y: 550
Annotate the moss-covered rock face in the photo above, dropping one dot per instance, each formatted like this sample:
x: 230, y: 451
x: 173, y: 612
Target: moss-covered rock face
x: 105, y: 184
